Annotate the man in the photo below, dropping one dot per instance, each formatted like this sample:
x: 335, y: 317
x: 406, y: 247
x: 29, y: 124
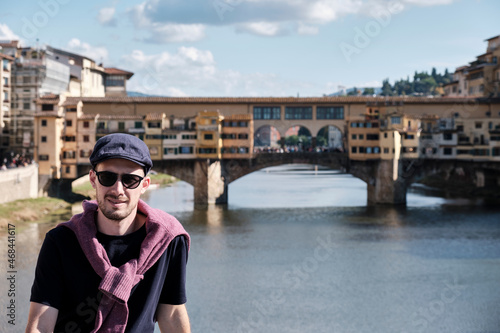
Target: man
x: 120, y: 265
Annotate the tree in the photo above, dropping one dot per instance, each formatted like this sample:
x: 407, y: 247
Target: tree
x: 386, y: 88
x: 369, y: 91
x: 353, y: 92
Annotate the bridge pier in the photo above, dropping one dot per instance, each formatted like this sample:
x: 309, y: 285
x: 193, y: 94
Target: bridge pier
x: 386, y: 185
x: 209, y: 185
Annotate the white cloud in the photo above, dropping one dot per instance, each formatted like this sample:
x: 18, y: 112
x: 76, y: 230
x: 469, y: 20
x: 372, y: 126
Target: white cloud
x: 165, y: 32
x: 7, y: 34
x: 169, y: 33
x: 262, y: 29
x: 98, y: 54
x: 259, y: 17
x: 106, y: 16
x: 195, y: 71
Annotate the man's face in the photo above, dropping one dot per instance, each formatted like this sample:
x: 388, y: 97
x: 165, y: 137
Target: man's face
x: 117, y: 202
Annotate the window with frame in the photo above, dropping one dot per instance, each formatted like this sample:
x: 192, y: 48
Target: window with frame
x: 43, y: 157
x: 44, y: 123
x: 86, y: 138
x: 43, y: 139
x: 208, y: 136
x: 266, y: 112
x: 293, y: 112
x: 69, y: 123
x: 86, y: 124
x: 396, y: 120
x: 330, y: 112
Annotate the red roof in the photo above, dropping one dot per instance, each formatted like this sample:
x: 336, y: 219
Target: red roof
x: 4, y: 56
x: 117, y: 71
x: 12, y: 43
x: 263, y: 100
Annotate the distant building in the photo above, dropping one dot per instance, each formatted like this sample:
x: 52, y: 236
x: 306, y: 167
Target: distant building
x: 6, y: 91
x: 481, y: 78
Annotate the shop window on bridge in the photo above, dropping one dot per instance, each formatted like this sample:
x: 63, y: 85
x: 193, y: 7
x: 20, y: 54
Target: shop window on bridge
x: 154, y: 124
x: 481, y: 152
x: 138, y: 124
x: 189, y: 137
x: 329, y: 112
x: 266, y: 112
x: 495, y: 152
x: 85, y: 153
x: 447, y: 151
x: 386, y: 150
x: 244, y: 150
x: 354, y: 150
x: 208, y: 137
x: 69, y: 154
x: 47, y: 107
x: 207, y: 150
x: 396, y: 120
x: 169, y: 151
x: 185, y: 150
x: 362, y: 150
x: 153, y: 150
x: 242, y: 136
x: 298, y: 112
x: 372, y: 137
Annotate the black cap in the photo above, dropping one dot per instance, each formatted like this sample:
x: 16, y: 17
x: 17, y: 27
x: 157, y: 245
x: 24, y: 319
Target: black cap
x: 119, y: 145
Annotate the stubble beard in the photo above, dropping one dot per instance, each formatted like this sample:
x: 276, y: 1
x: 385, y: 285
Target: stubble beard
x: 111, y: 214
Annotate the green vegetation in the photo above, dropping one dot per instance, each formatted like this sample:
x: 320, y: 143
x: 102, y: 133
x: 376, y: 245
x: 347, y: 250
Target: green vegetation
x: 423, y: 84
x: 32, y: 210
x: 162, y: 179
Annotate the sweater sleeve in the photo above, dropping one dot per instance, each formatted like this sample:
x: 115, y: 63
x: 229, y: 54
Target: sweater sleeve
x: 46, y: 287
x: 174, y: 287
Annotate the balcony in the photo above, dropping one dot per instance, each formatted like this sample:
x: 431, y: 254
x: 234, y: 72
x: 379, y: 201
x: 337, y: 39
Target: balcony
x: 136, y: 130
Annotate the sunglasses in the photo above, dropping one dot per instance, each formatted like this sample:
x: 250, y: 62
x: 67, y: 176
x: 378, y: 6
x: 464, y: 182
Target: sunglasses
x: 108, y: 178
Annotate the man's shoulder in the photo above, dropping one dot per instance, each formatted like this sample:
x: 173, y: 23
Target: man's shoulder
x: 61, y: 233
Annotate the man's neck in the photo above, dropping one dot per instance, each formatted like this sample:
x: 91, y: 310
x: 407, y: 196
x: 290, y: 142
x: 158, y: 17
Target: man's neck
x: 120, y: 227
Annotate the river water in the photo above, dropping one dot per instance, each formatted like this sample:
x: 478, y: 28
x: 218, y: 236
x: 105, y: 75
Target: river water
x: 298, y: 250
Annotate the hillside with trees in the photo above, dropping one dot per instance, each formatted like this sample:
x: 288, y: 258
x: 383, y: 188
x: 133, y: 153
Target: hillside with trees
x: 423, y: 84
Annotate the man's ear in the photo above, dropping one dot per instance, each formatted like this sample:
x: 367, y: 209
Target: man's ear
x: 92, y: 178
x: 145, y: 184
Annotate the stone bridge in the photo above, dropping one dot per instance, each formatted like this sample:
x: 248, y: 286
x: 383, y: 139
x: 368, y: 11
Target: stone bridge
x: 387, y: 180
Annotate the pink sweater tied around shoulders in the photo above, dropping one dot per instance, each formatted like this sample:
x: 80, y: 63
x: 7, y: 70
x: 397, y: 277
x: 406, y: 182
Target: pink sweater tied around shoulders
x: 117, y: 282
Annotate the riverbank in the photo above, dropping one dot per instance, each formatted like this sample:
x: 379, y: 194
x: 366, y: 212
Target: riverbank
x: 43, y: 209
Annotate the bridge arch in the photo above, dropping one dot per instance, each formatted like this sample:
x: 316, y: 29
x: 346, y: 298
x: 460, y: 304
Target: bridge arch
x: 330, y: 137
x: 267, y: 136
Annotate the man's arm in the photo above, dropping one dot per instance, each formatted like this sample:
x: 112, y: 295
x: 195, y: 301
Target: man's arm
x: 42, y: 318
x: 173, y: 318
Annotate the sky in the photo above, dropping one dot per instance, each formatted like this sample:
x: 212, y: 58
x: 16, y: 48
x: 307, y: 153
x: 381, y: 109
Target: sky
x: 258, y: 48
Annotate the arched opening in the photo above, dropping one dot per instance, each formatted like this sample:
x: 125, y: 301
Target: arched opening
x: 330, y: 138
x: 298, y: 139
x: 267, y: 137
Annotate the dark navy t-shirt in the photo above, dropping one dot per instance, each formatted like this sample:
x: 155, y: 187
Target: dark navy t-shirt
x: 65, y: 280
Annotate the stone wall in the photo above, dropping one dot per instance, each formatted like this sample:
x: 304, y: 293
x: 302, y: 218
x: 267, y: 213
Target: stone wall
x: 19, y: 183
